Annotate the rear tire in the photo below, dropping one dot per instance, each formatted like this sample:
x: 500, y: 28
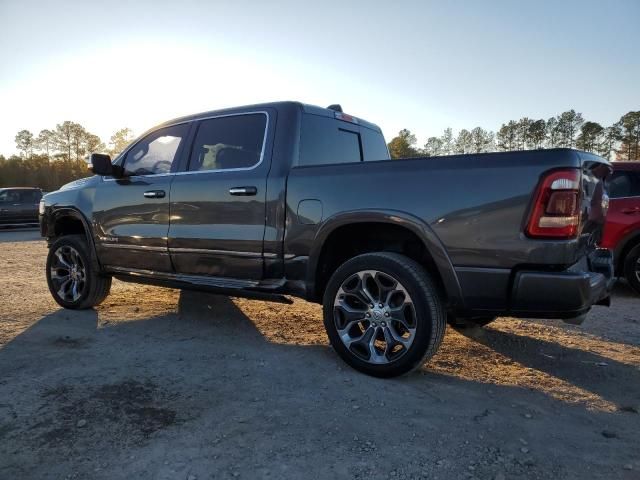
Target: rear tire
x: 73, y: 281
x: 632, y: 268
x: 383, y: 314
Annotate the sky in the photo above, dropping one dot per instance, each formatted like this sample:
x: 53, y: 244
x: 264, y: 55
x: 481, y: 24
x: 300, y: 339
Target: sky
x: 422, y: 65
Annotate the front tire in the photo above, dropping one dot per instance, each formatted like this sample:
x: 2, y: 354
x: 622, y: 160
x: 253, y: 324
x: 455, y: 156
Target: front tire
x: 73, y: 281
x: 383, y: 314
x: 632, y: 268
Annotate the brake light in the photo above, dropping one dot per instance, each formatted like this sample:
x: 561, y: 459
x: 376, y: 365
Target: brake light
x: 345, y: 117
x: 556, y: 209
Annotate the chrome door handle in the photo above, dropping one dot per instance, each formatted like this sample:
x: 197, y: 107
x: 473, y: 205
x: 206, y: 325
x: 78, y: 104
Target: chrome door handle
x: 154, y: 194
x: 631, y: 211
x: 243, y: 191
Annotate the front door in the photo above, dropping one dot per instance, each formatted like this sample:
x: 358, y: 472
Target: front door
x: 27, y: 209
x: 131, y: 214
x: 218, y: 205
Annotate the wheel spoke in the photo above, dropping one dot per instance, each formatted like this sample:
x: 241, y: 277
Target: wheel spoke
x: 386, y: 287
x: 61, y: 259
x: 349, y: 315
x: 393, y: 338
x: 62, y: 290
x: 399, y: 315
x: 363, y: 292
x: 374, y: 355
x: 346, y: 337
x: 366, y: 342
x: 56, y: 276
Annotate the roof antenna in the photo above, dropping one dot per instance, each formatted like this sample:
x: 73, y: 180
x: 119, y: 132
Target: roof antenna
x: 335, y: 107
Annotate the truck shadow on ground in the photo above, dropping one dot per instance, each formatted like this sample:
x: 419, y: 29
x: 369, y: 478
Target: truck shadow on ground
x: 611, y: 380
x: 205, y: 375
x: 212, y: 328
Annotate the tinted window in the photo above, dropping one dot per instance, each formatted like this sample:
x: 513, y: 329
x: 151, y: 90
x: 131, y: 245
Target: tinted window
x: 30, y: 196
x: 156, y: 152
x: 325, y: 140
x: 12, y: 196
x: 624, y: 184
x: 373, y: 145
x: 228, y: 142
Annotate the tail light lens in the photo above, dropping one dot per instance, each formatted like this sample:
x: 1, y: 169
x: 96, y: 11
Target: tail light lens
x: 556, y: 209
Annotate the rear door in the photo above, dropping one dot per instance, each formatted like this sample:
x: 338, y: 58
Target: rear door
x: 624, y: 209
x: 27, y: 208
x: 218, y: 204
x: 9, y: 205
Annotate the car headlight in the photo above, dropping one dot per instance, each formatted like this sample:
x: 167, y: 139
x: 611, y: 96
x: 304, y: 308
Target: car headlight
x: 41, y: 207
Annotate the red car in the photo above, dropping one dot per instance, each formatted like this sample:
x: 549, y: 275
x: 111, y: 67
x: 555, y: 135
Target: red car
x: 622, y: 229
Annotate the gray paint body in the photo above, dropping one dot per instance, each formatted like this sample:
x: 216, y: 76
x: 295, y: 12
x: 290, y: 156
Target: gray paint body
x: 469, y: 210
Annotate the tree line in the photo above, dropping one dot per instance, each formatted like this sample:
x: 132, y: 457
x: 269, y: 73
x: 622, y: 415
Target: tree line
x: 620, y: 141
x: 54, y: 157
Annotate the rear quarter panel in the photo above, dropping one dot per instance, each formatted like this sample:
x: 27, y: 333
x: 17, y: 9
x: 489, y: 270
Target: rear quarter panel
x: 474, y: 207
x: 476, y: 204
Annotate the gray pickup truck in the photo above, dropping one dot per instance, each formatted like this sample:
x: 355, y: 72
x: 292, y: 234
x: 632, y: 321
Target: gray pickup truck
x: 291, y: 199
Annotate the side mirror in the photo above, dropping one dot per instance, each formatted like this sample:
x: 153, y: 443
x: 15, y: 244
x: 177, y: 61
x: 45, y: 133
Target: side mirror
x: 101, y: 164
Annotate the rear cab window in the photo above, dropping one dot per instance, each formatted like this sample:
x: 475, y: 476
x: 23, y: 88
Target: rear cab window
x: 326, y: 140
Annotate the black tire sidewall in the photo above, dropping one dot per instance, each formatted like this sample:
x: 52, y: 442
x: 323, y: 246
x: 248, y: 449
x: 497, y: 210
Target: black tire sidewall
x: 424, y: 306
x: 79, y: 244
x: 630, y: 262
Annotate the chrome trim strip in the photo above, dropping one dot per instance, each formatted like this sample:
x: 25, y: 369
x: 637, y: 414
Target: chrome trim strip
x: 624, y: 198
x: 264, y: 144
x: 219, y: 282
x: 208, y: 251
x: 134, y: 247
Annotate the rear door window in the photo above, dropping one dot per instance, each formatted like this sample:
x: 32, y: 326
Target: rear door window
x: 624, y: 184
x: 325, y: 140
x: 30, y: 196
x: 228, y: 143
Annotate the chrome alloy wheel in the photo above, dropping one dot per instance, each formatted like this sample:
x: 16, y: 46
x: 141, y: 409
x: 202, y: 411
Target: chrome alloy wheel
x: 68, y: 273
x: 374, y: 316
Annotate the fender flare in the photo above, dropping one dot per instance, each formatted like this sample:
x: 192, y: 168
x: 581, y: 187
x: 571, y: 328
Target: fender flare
x: 422, y: 230
x: 61, y: 212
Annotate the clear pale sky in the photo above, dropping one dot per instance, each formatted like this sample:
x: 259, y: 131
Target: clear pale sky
x: 422, y: 65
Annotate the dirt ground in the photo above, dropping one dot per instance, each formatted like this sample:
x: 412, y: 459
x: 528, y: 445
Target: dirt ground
x: 159, y: 384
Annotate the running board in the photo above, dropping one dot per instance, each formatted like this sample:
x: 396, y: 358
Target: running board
x: 265, y: 290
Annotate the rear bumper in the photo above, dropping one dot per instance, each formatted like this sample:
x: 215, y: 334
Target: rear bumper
x: 565, y: 294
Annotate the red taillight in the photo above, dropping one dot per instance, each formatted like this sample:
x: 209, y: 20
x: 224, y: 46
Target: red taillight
x: 556, y: 210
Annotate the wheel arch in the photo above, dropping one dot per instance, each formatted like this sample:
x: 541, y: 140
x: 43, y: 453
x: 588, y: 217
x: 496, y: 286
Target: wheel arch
x: 335, y: 228
x: 628, y: 242
x: 69, y: 221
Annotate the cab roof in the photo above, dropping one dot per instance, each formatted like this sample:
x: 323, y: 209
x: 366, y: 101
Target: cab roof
x: 306, y: 108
